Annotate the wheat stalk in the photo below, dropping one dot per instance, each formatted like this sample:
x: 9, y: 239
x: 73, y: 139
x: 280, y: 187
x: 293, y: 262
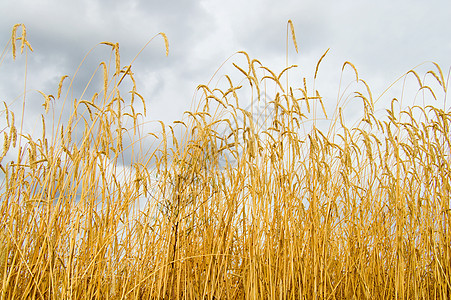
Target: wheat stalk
x: 221, y: 205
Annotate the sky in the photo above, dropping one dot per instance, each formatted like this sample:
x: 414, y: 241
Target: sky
x: 384, y: 39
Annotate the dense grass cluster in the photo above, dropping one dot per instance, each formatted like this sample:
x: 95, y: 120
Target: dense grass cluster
x: 258, y: 203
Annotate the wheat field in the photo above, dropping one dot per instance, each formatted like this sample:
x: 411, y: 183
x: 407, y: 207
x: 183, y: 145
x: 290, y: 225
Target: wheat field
x: 277, y: 200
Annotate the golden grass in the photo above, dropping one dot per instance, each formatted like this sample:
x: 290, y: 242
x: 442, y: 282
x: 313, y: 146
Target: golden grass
x: 237, y: 208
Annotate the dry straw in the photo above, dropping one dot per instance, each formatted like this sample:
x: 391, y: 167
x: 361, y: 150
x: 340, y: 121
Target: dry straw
x: 235, y: 207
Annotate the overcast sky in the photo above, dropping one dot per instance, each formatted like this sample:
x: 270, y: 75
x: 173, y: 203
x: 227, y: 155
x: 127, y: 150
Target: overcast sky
x: 383, y: 39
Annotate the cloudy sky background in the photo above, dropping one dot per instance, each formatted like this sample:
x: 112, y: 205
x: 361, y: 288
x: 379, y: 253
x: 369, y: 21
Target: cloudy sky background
x: 383, y: 39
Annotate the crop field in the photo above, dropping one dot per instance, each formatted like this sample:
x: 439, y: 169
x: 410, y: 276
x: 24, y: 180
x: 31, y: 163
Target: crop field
x: 261, y: 191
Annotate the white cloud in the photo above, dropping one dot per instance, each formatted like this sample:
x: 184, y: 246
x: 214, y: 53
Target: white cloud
x: 382, y: 38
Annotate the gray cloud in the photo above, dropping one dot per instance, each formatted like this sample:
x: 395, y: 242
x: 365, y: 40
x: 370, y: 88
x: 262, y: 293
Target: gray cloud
x: 382, y: 38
